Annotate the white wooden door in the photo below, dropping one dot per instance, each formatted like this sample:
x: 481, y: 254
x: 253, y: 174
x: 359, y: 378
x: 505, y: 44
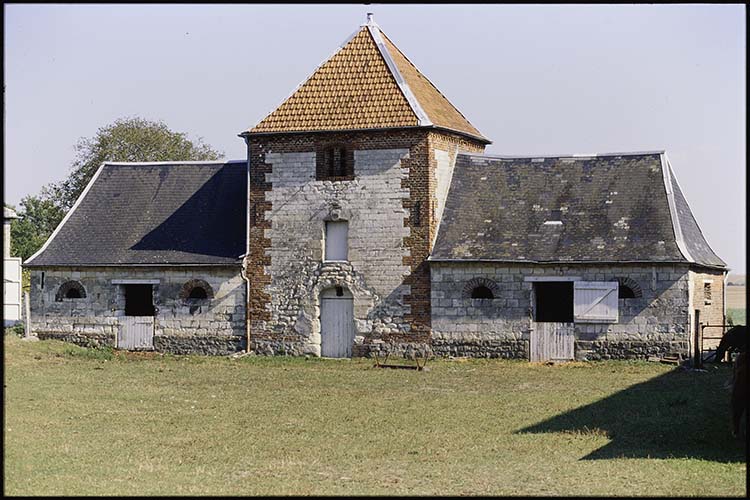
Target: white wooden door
x: 136, y: 333
x: 552, y: 341
x: 336, y: 324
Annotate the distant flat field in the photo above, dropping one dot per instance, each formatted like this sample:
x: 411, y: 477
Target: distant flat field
x: 736, y: 297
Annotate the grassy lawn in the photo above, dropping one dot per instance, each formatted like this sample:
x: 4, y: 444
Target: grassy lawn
x: 739, y: 316
x: 83, y: 422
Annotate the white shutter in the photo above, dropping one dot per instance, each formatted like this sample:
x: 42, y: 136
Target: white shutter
x: 595, y: 301
x: 337, y: 234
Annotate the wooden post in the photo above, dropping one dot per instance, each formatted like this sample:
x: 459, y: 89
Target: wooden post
x: 27, y: 308
x: 697, y: 354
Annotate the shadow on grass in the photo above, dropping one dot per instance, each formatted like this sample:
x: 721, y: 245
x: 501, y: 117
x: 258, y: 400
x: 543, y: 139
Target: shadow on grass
x: 681, y: 414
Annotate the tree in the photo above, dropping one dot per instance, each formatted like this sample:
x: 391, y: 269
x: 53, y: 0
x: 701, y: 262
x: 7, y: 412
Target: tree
x: 127, y: 139
x: 38, y: 218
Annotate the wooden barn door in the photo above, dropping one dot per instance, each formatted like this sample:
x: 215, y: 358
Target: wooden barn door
x: 336, y: 323
x: 136, y: 333
x: 552, y: 341
x: 552, y: 335
x: 136, y: 330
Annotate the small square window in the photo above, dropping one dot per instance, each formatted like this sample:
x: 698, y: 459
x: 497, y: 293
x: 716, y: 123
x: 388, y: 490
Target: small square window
x: 334, y: 163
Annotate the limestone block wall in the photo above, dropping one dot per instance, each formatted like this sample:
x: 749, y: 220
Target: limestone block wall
x: 656, y: 322
x: 372, y: 204
x: 215, y: 325
x: 707, y: 296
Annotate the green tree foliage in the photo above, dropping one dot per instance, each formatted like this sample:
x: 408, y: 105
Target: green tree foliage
x: 38, y: 217
x: 127, y: 139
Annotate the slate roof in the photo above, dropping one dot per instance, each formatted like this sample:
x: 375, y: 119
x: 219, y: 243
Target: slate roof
x: 603, y: 208
x: 168, y: 213
x: 367, y: 84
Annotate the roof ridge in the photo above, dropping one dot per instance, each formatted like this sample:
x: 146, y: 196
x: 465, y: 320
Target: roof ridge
x: 423, y: 119
x: 433, y: 86
x: 566, y: 155
x: 303, y: 82
x: 170, y: 162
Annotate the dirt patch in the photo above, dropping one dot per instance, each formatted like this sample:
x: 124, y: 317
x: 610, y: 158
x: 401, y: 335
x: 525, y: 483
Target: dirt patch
x: 139, y: 355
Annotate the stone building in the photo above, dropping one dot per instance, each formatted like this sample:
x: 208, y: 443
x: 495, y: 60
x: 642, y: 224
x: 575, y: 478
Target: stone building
x: 375, y: 222
x: 148, y: 258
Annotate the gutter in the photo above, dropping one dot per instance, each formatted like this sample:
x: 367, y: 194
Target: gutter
x: 244, y: 257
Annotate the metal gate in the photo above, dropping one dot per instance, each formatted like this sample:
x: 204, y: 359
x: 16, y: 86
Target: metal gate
x: 136, y: 333
x: 552, y: 341
x: 336, y: 323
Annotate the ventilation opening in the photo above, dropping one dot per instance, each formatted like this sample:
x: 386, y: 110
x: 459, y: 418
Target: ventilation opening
x: 334, y: 163
x: 70, y: 290
x: 625, y: 292
x: 139, y: 300
x: 482, y: 292
x: 554, y: 302
x: 198, y: 293
x: 339, y: 291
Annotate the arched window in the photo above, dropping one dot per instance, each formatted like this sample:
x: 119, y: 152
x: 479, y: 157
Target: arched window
x: 480, y: 288
x: 482, y: 292
x: 198, y: 292
x: 628, y: 289
x: 70, y: 290
x: 196, y: 289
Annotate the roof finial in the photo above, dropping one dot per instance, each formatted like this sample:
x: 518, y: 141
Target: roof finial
x: 370, y: 19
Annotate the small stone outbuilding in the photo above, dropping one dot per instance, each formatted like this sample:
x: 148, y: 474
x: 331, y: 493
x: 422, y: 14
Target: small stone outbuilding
x: 148, y: 258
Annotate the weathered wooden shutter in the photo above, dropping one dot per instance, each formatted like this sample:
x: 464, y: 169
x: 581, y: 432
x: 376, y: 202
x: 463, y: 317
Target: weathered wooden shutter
x: 337, y: 235
x: 595, y: 301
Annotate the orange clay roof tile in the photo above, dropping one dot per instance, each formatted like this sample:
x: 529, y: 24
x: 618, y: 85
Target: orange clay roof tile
x: 356, y: 89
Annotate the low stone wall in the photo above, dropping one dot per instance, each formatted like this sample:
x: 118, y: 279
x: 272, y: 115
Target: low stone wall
x: 596, y: 350
x: 199, y: 344
x: 80, y: 338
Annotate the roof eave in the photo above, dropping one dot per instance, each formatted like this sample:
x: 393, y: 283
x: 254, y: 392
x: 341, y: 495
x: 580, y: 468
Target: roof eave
x: 564, y: 262
x: 251, y: 133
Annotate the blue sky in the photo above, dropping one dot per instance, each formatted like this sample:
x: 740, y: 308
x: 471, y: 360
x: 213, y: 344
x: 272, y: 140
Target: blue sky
x: 538, y: 79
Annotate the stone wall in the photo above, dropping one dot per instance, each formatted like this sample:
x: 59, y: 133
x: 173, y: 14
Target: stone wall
x: 390, y: 208
x: 707, y: 296
x: 657, y: 322
x: 215, y: 325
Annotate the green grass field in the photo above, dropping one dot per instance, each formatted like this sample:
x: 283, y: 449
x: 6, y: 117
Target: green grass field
x: 85, y: 422
x: 738, y: 316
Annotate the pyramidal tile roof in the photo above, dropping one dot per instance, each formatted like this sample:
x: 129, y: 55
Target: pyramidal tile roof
x: 367, y: 83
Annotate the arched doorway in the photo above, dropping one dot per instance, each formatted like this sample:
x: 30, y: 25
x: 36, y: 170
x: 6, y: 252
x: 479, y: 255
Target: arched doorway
x: 336, y: 323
